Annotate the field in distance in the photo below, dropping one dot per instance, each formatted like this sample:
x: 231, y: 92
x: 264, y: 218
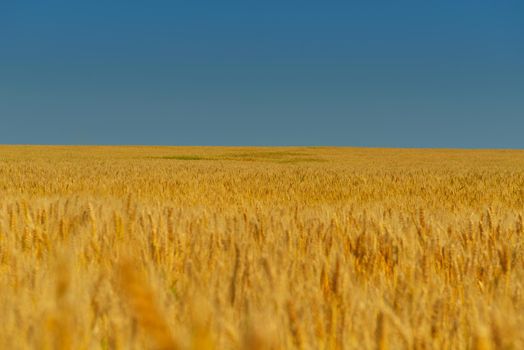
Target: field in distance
x: 260, y: 248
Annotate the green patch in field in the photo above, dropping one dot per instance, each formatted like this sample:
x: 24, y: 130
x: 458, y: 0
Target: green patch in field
x: 273, y: 156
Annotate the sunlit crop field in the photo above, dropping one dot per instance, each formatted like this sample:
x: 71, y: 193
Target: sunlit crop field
x: 260, y: 248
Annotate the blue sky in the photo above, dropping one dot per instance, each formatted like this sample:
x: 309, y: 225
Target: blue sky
x: 346, y: 73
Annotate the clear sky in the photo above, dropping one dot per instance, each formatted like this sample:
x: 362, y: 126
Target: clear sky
x: 446, y: 73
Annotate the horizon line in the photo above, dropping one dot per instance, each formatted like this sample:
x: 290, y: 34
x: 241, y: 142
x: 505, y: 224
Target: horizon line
x: 266, y: 146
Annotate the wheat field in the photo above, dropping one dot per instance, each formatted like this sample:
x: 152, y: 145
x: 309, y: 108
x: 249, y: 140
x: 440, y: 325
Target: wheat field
x: 260, y: 248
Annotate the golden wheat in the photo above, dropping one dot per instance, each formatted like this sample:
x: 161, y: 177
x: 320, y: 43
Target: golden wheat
x: 254, y: 248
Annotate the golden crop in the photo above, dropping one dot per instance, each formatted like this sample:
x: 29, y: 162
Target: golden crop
x: 260, y: 248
